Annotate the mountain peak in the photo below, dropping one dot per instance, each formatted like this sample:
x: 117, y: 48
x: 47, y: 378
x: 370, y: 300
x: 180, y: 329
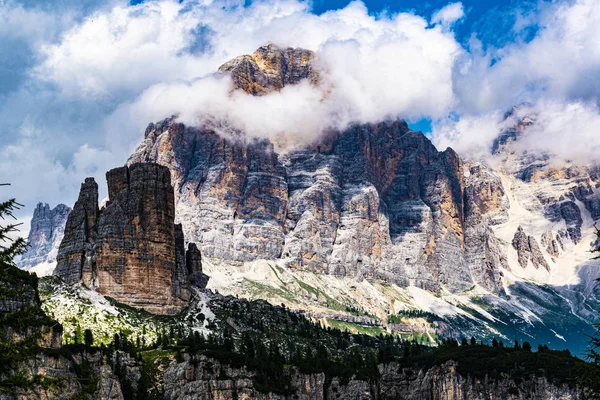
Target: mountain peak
x: 271, y: 68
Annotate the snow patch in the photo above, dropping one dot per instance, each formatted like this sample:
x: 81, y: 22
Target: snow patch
x: 561, y: 337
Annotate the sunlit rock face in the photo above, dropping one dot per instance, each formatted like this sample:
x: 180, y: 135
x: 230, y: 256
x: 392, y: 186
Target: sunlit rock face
x: 376, y: 201
x: 271, y: 68
x: 45, y: 235
x: 131, y: 249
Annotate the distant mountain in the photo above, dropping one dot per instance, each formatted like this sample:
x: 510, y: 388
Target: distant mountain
x: 45, y: 234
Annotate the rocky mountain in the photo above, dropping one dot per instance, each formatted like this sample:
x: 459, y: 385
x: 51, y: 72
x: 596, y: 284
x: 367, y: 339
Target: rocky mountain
x: 131, y: 249
x: 45, y: 234
x: 346, y: 207
x: 374, y: 229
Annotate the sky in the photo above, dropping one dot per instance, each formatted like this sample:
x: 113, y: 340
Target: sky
x: 81, y: 79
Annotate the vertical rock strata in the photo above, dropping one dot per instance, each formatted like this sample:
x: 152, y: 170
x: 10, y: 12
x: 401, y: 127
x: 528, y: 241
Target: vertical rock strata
x: 375, y: 201
x: 131, y: 249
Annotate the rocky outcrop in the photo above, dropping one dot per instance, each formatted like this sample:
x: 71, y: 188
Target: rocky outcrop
x: 485, y: 206
x: 131, y: 249
x: 270, y: 68
x: 445, y: 382
x: 376, y: 201
x: 528, y: 250
x: 45, y: 234
x: 193, y: 262
x: 550, y: 244
x: 32, y: 363
x: 76, y: 249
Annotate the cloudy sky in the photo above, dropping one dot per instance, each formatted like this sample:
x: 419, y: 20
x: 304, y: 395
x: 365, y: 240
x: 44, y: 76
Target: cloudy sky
x: 81, y: 79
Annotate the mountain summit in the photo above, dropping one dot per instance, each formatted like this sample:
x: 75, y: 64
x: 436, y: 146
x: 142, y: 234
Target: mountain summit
x: 270, y: 68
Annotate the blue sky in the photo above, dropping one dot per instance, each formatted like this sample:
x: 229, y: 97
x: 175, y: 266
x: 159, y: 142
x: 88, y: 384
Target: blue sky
x: 80, y: 79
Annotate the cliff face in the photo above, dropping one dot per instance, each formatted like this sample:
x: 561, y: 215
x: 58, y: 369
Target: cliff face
x: 131, y: 249
x: 377, y: 201
x: 208, y: 379
x: 45, y: 235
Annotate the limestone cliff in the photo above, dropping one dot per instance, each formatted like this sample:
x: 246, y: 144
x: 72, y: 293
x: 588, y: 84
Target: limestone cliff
x: 131, y: 249
x: 45, y: 234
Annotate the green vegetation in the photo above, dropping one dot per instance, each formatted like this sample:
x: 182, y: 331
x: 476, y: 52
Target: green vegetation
x: 411, y: 314
x: 271, y: 342
x: 520, y: 363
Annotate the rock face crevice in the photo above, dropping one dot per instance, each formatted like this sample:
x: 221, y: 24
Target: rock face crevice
x: 131, y: 249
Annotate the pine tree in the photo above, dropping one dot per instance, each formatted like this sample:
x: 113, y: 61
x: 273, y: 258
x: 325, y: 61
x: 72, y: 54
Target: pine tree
x: 9, y: 247
x: 116, y: 341
x: 591, y: 378
x: 88, y: 338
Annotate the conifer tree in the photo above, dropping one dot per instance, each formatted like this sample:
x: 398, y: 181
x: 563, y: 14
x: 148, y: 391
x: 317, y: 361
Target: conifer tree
x: 9, y: 247
x: 88, y: 338
x: 591, y: 378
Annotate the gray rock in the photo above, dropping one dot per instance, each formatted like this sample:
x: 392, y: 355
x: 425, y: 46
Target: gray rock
x: 376, y: 201
x: 45, y: 234
x: 528, y: 250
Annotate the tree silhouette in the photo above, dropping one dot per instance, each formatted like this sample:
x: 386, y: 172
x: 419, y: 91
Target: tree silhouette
x: 88, y: 338
x: 10, y: 247
x: 591, y: 378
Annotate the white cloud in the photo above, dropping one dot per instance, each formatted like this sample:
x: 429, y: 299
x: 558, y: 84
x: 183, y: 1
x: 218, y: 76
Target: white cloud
x: 372, y: 68
x: 568, y: 130
x: 448, y: 15
x: 562, y: 62
x: 470, y: 136
x: 558, y: 72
